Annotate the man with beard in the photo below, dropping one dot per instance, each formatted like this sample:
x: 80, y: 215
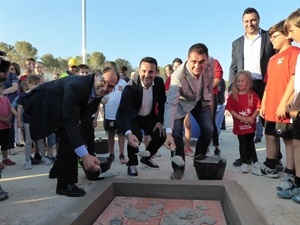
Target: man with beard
x: 64, y: 106
x: 142, y: 108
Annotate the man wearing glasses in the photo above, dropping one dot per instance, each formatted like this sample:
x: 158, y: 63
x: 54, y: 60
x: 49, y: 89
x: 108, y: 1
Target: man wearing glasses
x: 64, y: 106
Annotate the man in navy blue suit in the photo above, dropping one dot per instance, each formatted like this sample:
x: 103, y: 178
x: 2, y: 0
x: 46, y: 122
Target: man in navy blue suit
x: 63, y: 107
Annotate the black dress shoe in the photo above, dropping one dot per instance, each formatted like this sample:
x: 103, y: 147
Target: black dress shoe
x: 53, y: 174
x: 3, y: 194
x: 71, y: 190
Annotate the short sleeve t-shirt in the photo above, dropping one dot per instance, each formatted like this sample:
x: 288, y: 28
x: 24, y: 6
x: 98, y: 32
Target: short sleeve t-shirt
x: 281, y: 68
x: 245, y: 105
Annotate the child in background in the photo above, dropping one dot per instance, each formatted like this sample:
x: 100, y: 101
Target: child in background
x: 31, y: 81
x: 5, y: 125
x: 292, y: 27
x: 243, y: 104
x: 279, y: 89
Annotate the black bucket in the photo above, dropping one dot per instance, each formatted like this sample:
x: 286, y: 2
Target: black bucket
x: 101, y: 146
x: 105, y: 165
x: 210, y: 168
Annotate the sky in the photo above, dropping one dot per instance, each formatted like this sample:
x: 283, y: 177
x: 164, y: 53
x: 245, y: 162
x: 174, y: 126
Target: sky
x: 133, y: 29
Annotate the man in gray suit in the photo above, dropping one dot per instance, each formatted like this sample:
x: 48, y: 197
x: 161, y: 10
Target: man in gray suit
x: 190, y: 91
x: 252, y: 52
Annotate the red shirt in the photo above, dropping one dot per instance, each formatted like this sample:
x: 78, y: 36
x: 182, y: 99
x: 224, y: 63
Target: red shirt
x: 281, y: 68
x: 218, y: 74
x: 4, y: 111
x: 245, y: 105
x: 167, y: 83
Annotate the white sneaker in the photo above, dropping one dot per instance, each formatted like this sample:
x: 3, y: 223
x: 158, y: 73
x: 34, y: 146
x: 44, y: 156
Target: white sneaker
x: 244, y: 168
x: 46, y: 161
x: 157, y: 154
x: 256, y: 165
x: 12, y: 151
x: 265, y: 171
x: 287, y: 181
x: 28, y: 165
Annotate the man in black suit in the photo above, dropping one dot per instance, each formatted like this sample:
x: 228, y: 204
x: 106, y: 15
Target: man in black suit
x: 63, y: 106
x: 252, y: 52
x: 142, y: 108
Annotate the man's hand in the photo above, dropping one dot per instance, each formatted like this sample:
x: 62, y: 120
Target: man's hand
x: 159, y: 126
x: 90, y: 163
x: 169, y: 143
x: 133, y: 140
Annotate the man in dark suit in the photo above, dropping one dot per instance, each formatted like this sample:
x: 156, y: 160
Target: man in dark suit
x: 142, y: 108
x: 63, y: 106
x: 252, y: 52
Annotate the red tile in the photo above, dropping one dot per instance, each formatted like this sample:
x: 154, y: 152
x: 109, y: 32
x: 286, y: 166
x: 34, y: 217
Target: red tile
x: 169, y: 206
x: 214, y: 209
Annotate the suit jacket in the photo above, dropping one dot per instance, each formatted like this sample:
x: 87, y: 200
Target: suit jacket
x: 64, y: 104
x: 237, y: 55
x: 182, y: 96
x: 131, y: 102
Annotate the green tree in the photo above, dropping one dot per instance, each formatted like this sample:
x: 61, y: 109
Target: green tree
x: 50, y: 63
x: 162, y: 72
x: 62, y: 65
x: 7, y: 49
x: 124, y: 62
x: 22, y: 51
x: 96, y: 60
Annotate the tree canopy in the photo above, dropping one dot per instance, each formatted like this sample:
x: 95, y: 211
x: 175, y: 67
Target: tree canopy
x: 22, y: 50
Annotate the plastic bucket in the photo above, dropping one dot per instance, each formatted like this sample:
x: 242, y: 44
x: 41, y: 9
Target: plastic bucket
x: 210, y: 168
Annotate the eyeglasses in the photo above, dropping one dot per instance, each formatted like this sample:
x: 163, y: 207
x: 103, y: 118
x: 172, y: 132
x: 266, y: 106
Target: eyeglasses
x: 272, y: 37
x: 104, y: 82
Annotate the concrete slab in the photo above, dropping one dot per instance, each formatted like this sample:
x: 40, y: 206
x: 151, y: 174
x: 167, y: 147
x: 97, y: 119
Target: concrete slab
x: 236, y: 207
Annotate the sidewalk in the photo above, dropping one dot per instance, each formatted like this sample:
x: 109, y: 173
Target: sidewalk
x: 32, y: 199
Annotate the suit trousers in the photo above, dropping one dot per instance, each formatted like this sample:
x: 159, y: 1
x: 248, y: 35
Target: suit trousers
x: 147, y: 124
x: 88, y: 132
x: 203, y: 117
x: 66, y: 165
